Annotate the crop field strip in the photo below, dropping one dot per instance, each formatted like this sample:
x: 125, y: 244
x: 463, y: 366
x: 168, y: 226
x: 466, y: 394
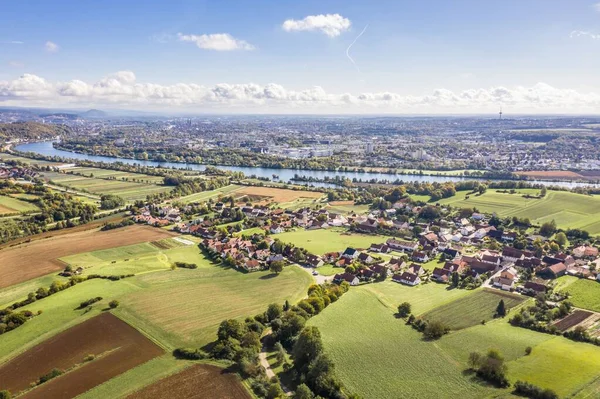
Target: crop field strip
x: 572, y: 320
x: 128, y: 190
x: 118, y: 346
x: 569, y: 210
x: 200, y: 380
x: 472, y: 309
x: 10, y: 204
x: 40, y: 257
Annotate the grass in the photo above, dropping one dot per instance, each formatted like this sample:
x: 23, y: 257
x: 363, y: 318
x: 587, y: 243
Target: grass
x: 471, y: 309
x: 350, y: 208
x: 422, y: 298
x: 184, y: 307
x: 9, y: 204
x: 559, y: 364
x: 583, y: 293
x: 329, y: 240
x: 498, y: 334
x: 569, y: 210
x: 128, y: 190
x: 329, y: 270
x: 378, y: 356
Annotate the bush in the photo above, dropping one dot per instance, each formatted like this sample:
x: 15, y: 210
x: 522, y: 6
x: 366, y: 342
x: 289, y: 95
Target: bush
x: 528, y: 350
x: 185, y: 265
x: 435, y: 330
x: 47, y: 377
x: 89, y: 302
x: 5, y: 395
x: 113, y: 304
x: 404, y: 309
x: 89, y: 358
x: 189, y: 354
x: 533, y: 392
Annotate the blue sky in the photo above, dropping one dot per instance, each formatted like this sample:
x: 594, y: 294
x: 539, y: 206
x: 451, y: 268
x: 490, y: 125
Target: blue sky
x: 409, y: 48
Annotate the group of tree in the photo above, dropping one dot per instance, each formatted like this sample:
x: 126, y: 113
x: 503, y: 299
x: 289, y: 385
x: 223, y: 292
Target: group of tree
x: 431, y: 329
x: 240, y: 343
x: 490, y: 367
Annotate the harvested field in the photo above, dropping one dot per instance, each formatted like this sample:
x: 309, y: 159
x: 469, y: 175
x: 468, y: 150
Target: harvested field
x: 572, y: 320
x: 551, y: 174
x: 37, y: 258
x: 278, y: 194
x: 116, y: 345
x: 199, y: 381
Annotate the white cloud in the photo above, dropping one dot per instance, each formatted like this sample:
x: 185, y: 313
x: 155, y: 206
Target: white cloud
x: 15, y: 64
x: 581, y: 33
x: 330, y: 24
x: 51, y: 47
x: 216, y: 41
x: 597, y: 7
x: 11, y: 42
x: 122, y: 89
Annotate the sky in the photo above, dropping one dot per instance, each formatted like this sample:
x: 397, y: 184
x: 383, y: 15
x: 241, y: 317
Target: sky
x: 396, y: 57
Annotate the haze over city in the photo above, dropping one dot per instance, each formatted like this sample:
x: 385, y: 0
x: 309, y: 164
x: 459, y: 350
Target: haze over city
x: 397, y: 57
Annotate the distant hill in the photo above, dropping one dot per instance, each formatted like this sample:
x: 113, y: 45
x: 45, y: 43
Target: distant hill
x: 93, y: 113
x: 30, y: 130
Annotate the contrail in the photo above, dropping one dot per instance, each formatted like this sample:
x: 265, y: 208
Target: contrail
x: 352, y: 44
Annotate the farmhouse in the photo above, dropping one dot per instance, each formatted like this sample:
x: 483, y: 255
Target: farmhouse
x: 350, y: 253
x: 533, y: 288
x: 554, y: 271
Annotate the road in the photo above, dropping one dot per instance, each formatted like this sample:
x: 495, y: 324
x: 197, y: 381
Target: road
x: 319, y: 279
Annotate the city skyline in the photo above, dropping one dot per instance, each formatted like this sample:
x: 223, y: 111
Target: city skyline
x: 335, y: 58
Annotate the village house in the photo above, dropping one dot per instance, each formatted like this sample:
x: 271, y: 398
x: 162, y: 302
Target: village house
x: 420, y: 257
x: 554, y: 271
x: 440, y: 275
x: 406, y: 246
x: 409, y: 279
x: 348, y: 277
x: 350, y: 253
x: 314, y: 260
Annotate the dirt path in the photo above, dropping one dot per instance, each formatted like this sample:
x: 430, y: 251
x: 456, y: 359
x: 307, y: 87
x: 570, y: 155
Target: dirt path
x: 264, y: 362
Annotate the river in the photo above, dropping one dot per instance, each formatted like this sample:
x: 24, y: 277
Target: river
x: 285, y: 175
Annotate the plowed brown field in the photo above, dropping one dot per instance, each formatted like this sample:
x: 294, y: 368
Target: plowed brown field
x: 40, y: 257
x: 200, y: 381
x: 118, y: 346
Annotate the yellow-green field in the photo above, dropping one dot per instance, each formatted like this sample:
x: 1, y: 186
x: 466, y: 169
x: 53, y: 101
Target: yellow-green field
x: 377, y: 355
x: 569, y: 210
x: 10, y: 204
x: 128, y: 190
x: 328, y: 240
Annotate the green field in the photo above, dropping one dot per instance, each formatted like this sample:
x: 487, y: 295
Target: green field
x: 184, y: 308
x: 583, y: 293
x: 128, y: 190
x: 569, y: 210
x: 115, y: 174
x: 422, y: 298
x: 9, y: 204
x: 472, y: 309
x: 378, y: 356
x: 173, y: 307
x: 390, y: 358
x: 345, y: 209
x: 328, y: 240
x: 29, y: 161
x: 559, y: 364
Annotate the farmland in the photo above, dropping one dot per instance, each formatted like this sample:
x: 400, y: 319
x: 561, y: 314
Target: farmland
x: 184, y: 308
x: 472, y: 309
x: 116, y: 346
x: 114, y: 174
x: 569, y: 210
x: 583, y: 293
x: 40, y: 257
x: 128, y: 190
x: 328, y: 240
x: 380, y: 362
x: 196, y: 381
x: 279, y: 195
x: 213, y: 194
x: 9, y: 204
